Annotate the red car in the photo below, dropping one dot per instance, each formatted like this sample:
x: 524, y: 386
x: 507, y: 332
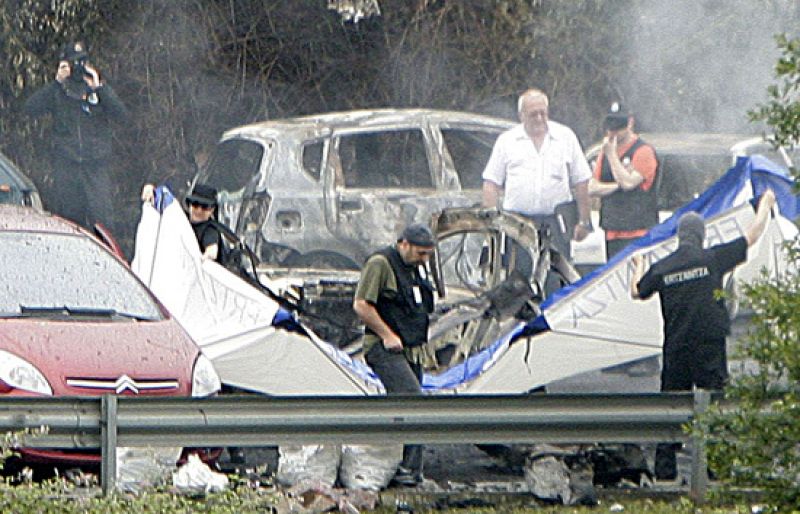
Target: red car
x: 75, y: 321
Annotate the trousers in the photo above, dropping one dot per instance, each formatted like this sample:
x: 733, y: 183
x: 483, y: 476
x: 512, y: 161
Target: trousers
x: 399, y: 376
x: 82, y: 192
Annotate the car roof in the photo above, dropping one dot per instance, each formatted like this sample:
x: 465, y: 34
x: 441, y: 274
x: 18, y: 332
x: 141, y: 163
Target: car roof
x: 21, y: 218
x: 307, y: 127
x: 695, y: 143
x: 691, y: 143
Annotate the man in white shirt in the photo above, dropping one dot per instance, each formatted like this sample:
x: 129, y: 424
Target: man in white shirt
x: 535, y: 167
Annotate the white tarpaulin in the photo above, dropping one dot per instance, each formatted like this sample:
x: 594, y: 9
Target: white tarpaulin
x: 232, y: 321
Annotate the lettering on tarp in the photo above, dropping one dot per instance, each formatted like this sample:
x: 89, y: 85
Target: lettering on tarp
x: 235, y: 305
x: 614, y: 285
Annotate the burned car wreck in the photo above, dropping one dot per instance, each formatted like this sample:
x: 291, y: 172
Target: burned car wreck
x: 327, y: 190
x: 480, y: 294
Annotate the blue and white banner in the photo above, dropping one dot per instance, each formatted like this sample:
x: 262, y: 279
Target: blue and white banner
x: 594, y: 324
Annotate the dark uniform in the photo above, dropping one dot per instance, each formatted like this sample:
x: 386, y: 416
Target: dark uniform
x: 404, y: 300
x: 695, y: 322
x: 631, y: 212
x: 208, y: 234
x: 81, y: 145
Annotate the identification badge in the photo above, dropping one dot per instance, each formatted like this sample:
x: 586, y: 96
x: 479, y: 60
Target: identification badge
x: 417, y: 295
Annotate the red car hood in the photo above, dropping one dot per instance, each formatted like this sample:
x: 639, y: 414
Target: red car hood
x: 146, y: 352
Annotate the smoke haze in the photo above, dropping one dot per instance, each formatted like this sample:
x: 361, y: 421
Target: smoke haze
x: 701, y: 65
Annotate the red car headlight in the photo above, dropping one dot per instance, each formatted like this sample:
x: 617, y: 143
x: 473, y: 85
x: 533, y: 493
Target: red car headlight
x: 17, y: 373
x: 205, y: 380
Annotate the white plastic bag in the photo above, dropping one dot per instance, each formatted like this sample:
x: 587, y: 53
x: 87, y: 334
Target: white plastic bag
x: 369, y: 467
x: 140, y: 468
x: 196, y: 476
x: 319, y: 463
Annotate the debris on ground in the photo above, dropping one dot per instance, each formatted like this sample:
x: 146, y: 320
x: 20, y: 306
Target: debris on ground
x: 308, y: 463
x: 312, y: 496
x: 369, y: 467
x: 196, y: 476
x: 143, y: 468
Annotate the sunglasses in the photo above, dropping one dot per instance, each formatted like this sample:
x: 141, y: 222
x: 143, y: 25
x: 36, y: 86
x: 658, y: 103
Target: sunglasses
x: 201, y: 205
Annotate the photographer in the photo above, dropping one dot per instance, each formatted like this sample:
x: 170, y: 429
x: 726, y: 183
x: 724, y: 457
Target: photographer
x: 81, y: 105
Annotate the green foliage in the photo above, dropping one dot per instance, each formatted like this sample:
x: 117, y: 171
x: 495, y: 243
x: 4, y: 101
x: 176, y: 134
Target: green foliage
x: 754, y: 441
x: 754, y: 438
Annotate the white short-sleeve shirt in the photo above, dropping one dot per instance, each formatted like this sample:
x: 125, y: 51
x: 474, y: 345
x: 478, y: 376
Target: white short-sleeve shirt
x: 536, y: 181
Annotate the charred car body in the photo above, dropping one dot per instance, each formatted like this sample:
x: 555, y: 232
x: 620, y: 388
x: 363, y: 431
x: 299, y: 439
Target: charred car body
x: 326, y: 190
x: 480, y: 295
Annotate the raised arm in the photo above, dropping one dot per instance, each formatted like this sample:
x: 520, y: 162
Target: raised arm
x: 756, y: 228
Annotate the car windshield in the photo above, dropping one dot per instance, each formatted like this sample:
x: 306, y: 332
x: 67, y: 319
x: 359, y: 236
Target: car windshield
x: 233, y: 165
x: 65, y: 275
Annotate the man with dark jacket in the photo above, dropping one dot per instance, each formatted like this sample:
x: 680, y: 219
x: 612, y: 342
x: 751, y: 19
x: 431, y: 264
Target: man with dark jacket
x: 625, y: 177
x: 696, y: 321
x: 82, y: 106
x: 394, y: 300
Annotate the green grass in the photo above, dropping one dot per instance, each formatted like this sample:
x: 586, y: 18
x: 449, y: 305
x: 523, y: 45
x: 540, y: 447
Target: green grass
x: 56, y: 496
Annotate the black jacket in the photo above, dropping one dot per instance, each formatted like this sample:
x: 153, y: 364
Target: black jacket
x: 81, y: 130
x: 401, y: 311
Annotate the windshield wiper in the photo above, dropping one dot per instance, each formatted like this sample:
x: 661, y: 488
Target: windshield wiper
x: 78, y: 312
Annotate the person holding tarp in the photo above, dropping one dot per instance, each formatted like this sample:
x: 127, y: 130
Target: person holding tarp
x: 394, y: 300
x: 696, y: 321
x: 202, y: 202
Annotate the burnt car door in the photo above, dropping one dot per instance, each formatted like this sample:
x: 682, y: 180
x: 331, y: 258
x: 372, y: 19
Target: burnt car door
x: 381, y: 180
x: 467, y: 150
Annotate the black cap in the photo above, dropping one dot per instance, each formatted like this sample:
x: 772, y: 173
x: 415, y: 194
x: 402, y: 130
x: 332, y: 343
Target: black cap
x: 418, y: 234
x: 74, y: 51
x: 204, y: 195
x: 616, y: 118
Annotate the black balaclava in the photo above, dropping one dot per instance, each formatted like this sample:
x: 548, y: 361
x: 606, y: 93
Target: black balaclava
x: 691, y: 230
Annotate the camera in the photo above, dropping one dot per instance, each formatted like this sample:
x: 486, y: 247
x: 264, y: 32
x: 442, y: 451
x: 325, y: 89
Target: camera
x: 77, y: 56
x: 78, y: 69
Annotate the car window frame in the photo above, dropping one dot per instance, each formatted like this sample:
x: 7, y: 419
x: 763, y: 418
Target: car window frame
x: 334, y: 147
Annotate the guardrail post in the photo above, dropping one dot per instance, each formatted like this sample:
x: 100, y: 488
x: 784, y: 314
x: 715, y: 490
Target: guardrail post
x: 108, y: 441
x: 699, y: 479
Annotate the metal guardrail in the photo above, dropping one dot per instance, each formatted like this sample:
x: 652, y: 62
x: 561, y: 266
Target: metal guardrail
x: 109, y: 422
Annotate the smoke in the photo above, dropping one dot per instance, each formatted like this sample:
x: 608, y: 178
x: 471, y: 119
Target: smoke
x: 701, y: 65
